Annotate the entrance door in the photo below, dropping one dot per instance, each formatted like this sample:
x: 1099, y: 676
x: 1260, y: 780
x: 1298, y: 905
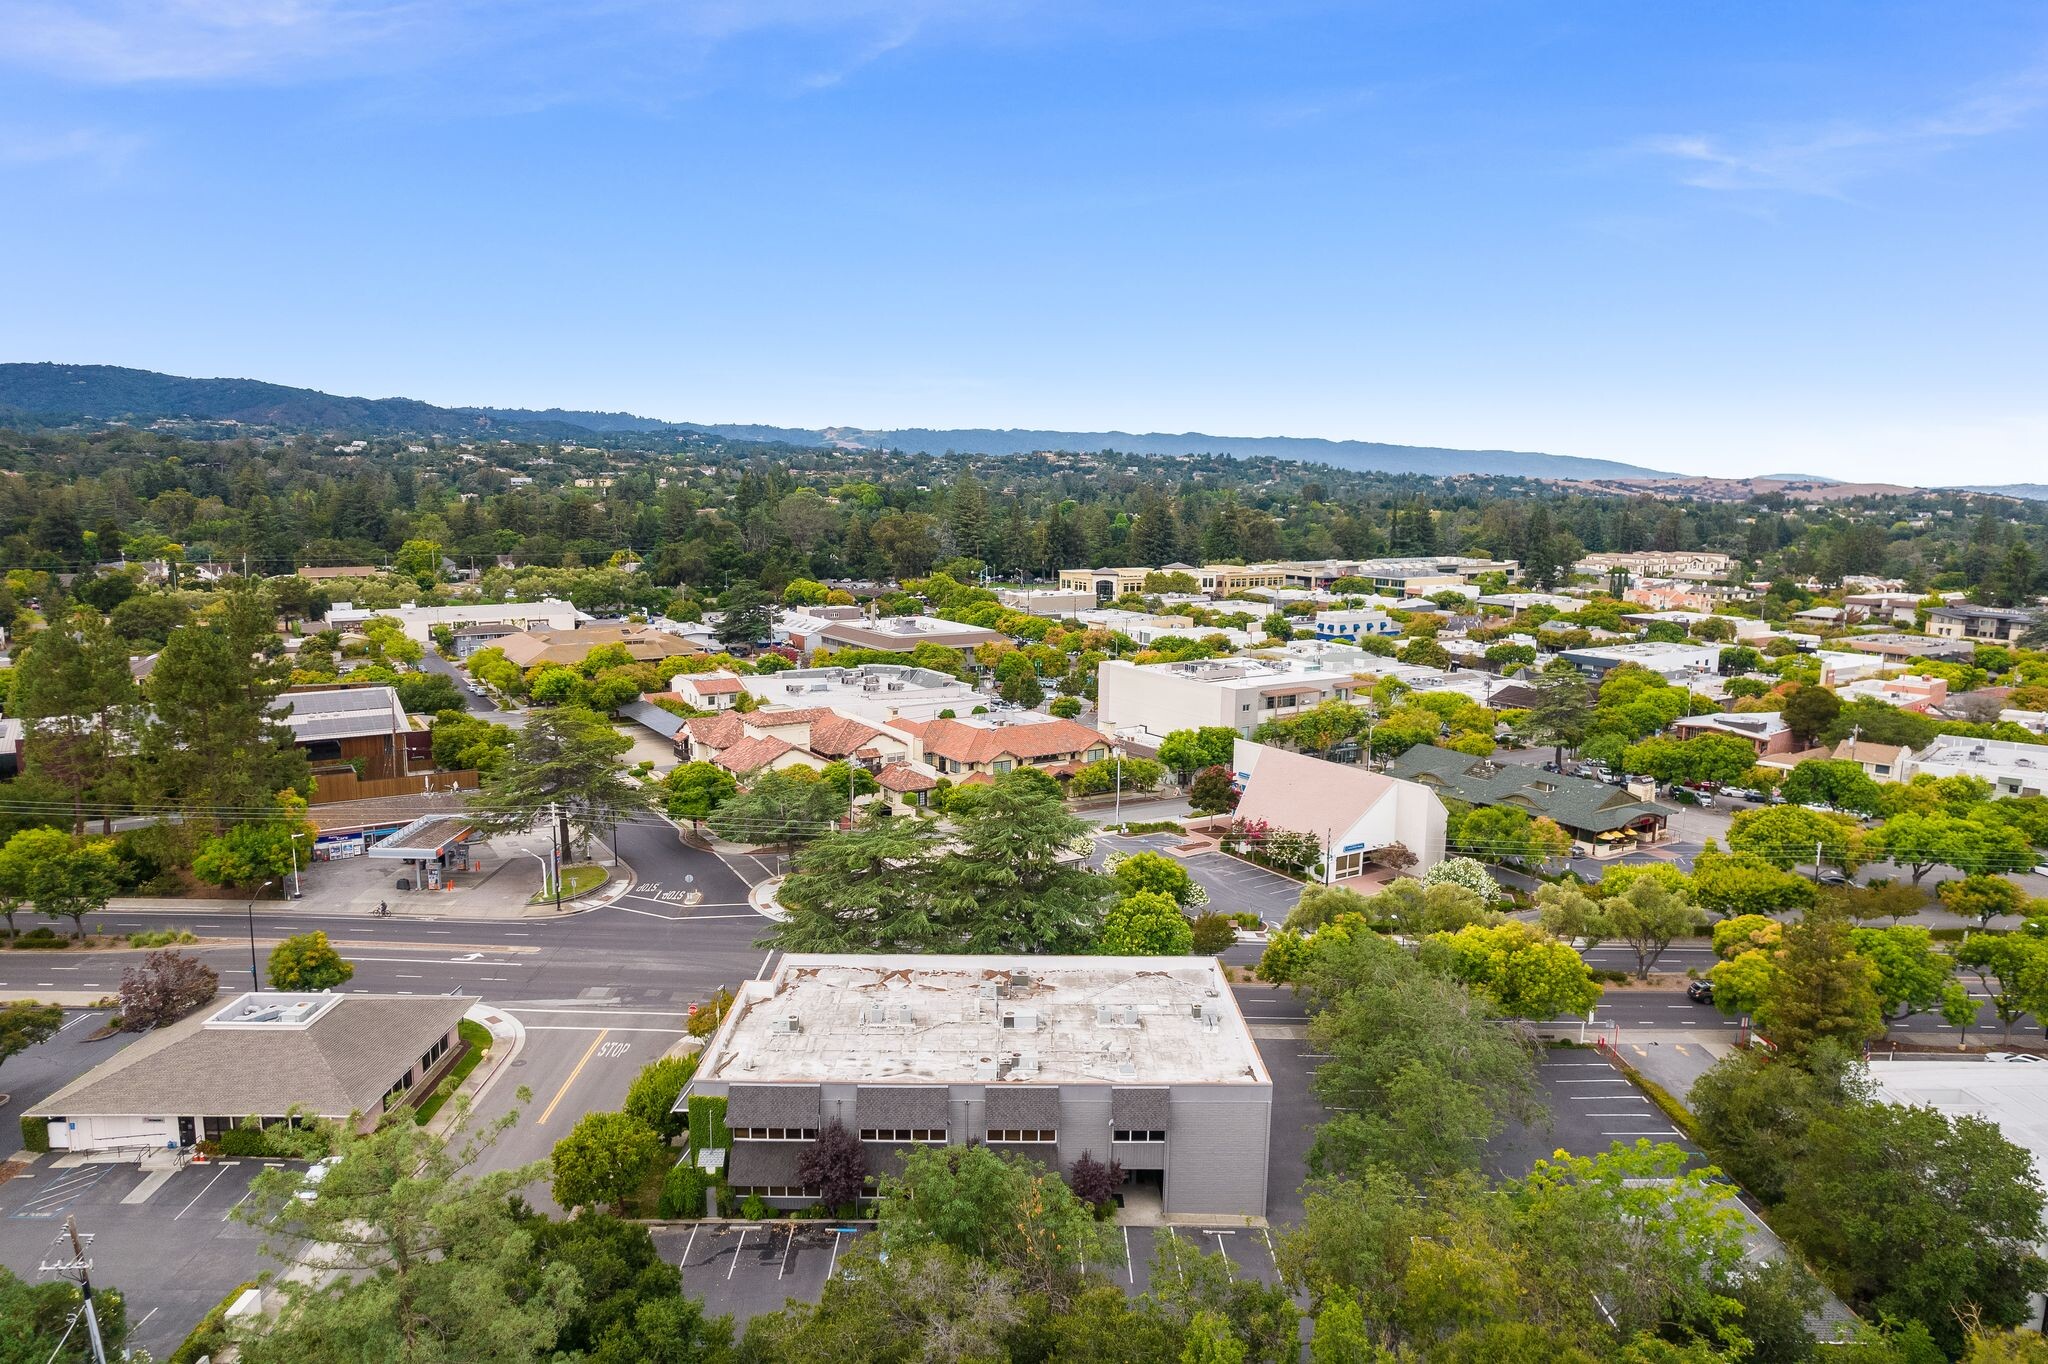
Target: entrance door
x: 186, y: 1134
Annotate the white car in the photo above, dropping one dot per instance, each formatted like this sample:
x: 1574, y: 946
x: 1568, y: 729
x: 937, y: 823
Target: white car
x: 309, y: 1183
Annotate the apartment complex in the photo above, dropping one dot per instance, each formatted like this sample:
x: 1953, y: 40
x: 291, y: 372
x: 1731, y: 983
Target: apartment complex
x: 1693, y: 564
x: 1141, y: 1060
x: 1986, y: 624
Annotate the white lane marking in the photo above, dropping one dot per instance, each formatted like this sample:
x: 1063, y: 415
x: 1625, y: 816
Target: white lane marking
x: 736, y: 1253
x: 567, y: 1027
x: 691, y: 1242
x: 202, y: 1193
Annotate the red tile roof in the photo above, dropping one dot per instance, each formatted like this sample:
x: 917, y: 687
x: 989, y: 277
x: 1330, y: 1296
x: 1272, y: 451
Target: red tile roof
x: 840, y: 735
x: 713, y: 686
x: 717, y: 731
x: 749, y: 755
x: 903, y: 777
x: 974, y: 744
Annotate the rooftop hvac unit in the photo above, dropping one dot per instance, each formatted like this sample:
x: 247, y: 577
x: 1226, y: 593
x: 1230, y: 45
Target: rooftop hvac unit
x: 1020, y: 1020
x: 873, y: 1013
x: 895, y: 686
x: 904, y: 1014
x: 1027, y: 1066
x: 785, y: 1025
x: 1020, y: 980
x: 991, y: 989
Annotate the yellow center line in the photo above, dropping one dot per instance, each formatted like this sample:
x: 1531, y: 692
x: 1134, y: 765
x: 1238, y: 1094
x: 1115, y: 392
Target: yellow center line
x: 549, y: 1110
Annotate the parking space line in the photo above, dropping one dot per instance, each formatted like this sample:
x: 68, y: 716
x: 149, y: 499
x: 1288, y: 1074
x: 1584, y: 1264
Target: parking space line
x: 831, y: 1268
x: 788, y: 1244
x: 736, y: 1253
x: 694, y: 1229
x: 202, y: 1193
x: 237, y: 1203
x: 1130, y: 1266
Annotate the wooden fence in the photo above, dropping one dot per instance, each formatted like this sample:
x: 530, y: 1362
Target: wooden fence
x: 330, y: 787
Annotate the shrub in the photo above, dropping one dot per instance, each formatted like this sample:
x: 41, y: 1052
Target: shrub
x: 244, y: 1141
x: 1213, y: 933
x: 44, y: 938
x: 704, y: 1020
x: 162, y: 937
x: 753, y: 1209
x: 210, y: 1336
x: 652, y: 1095
x: 35, y: 1134
x: 1095, y: 1183
x: 682, y: 1191
x: 167, y: 986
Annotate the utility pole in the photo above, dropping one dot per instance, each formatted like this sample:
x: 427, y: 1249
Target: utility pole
x: 78, y: 1267
x: 1816, y: 860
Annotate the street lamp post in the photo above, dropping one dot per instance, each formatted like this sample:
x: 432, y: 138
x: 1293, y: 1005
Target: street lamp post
x: 255, y: 979
x: 1117, y: 757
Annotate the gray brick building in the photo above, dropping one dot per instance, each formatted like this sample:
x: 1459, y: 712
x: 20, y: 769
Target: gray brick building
x: 1144, y: 1060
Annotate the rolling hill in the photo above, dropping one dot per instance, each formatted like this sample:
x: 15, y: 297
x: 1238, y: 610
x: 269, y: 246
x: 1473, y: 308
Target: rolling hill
x: 48, y: 394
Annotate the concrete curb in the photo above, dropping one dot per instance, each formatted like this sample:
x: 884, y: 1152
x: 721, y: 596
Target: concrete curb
x: 761, y: 899
x: 503, y: 1026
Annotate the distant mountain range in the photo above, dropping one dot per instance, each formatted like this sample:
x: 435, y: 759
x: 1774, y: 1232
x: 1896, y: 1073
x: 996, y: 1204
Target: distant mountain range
x: 2032, y: 492
x: 52, y: 394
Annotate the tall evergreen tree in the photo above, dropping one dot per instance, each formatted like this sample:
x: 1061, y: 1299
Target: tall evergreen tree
x: 77, y: 700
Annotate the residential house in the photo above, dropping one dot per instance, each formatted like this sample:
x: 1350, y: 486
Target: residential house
x: 1763, y: 730
x: 716, y: 690
x: 767, y: 740
x: 1880, y: 762
x: 1981, y: 624
x: 1668, y: 597
x: 1893, y: 608
x: 365, y: 729
x: 979, y: 748
x: 1354, y: 812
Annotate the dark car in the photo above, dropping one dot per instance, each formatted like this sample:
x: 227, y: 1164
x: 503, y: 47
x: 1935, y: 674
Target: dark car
x: 1829, y: 876
x: 1700, y: 990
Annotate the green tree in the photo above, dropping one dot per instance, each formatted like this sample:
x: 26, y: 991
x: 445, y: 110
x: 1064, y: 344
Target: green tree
x: 804, y: 592
x: 1808, y: 711
x: 1002, y: 1210
x: 435, y: 1261
x: 913, y: 1305
x: 2013, y: 969
x: 748, y: 615
x: 604, y: 1160
x: 1187, y: 751
x: 1160, y: 874
x: 1912, y: 976
x: 1012, y: 875
x: 63, y: 878
x: 872, y: 889
x: 695, y: 790
x: 1568, y: 913
x: 1822, y: 989
x: 788, y: 805
x: 1745, y: 884
x: 77, y: 701
x: 629, y: 1306
x: 651, y: 1098
x: 1788, y: 836
x: 1753, y: 1111
x: 1648, y: 916
x: 40, y: 1321
x: 1914, y: 1215
x: 307, y: 961
x: 1828, y: 781
x: 1562, y: 708
x: 214, y: 739
x: 24, y: 1023
x: 563, y: 769
x: 252, y: 853
x: 1982, y: 898
x: 1521, y: 971
x: 1145, y: 924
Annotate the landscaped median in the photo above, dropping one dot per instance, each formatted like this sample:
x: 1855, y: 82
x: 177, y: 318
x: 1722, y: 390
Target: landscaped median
x: 577, y: 881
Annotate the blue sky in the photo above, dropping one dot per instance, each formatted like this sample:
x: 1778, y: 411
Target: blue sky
x: 1710, y: 238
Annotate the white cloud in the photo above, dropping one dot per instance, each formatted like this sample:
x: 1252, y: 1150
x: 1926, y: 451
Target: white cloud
x: 93, y: 149
x: 131, y: 42
x: 1826, y: 160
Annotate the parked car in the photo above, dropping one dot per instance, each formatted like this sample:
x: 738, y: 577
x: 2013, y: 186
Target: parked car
x: 1831, y: 876
x: 1741, y: 793
x: 309, y: 1183
x: 1700, y: 990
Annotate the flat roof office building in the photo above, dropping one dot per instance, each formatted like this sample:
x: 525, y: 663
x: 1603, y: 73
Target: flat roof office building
x: 1144, y: 1060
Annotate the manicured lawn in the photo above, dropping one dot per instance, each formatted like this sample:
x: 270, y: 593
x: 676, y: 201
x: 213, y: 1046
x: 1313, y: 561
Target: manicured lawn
x: 477, y: 1038
x: 577, y: 880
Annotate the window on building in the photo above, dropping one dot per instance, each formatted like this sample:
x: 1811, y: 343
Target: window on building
x: 433, y: 1054
x: 1004, y: 764
x: 398, y: 1088
x: 902, y: 1134
x: 1350, y: 864
x: 775, y: 1191
x: 1022, y: 1134
x: 776, y: 1133
x: 1136, y: 1134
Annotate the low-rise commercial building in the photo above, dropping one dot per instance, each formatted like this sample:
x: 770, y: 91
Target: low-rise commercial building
x: 1763, y: 730
x: 1144, y: 628
x: 1141, y: 1060
x: 1600, y: 818
x: 1672, y: 661
x: 1909, y: 649
x: 1349, y: 626
x: 568, y: 648
x: 418, y: 622
x: 1354, y: 812
x: 348, y: 1058
x: 876, y: 692
x: 2013, y: 769
x: 898, y: 635
x: 363, y: 728
x: 1053, y: 602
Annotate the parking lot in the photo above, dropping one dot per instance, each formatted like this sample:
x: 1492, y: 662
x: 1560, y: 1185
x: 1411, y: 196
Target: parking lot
x: 1233, y: 885
x: 168, y: 1241
x: 748, y: 1270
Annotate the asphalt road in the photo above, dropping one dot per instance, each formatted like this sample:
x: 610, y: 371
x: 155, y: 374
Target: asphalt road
x: 432, y: 662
